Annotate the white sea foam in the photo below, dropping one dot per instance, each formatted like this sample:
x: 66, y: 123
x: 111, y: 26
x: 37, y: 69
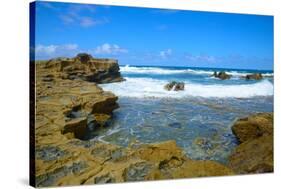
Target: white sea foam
x: 147, y: 87
x: 149, y: 70
x: 156, y: 70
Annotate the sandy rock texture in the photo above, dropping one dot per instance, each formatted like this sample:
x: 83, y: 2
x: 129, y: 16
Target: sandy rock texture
x: 70, y: 105
x: 255, y: 153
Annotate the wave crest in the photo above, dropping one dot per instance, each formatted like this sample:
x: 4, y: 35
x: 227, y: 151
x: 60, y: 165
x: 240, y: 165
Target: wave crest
x: 147, y: 87
x: 156, y: 70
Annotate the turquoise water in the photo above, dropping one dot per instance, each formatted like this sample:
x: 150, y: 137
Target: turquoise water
x: 199, y: 118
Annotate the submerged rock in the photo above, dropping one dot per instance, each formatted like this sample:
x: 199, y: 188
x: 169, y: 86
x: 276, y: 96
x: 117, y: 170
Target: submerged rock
x: 175, y: 86
x: 176, y: 125
x: 255, y: 153
x: 222, y: 75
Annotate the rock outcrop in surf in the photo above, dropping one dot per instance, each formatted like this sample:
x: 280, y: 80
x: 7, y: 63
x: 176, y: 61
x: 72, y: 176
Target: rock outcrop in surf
x: 174, y: 86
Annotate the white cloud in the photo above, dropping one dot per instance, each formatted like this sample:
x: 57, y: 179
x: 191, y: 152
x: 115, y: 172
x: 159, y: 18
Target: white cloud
x: 52, y: 51
x: 109, y: 49
x: 87, y: 22
x: 45, y: 49
x: 165, y: 53
x: 67, y: 19
x: 73, y: 16
x: 70, y: 46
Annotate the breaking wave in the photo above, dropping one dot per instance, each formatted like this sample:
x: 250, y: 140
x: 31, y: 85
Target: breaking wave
x: 148, y: 87
x: 157, y: 70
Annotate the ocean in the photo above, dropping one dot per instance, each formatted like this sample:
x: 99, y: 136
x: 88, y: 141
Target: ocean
x: 199, y: 118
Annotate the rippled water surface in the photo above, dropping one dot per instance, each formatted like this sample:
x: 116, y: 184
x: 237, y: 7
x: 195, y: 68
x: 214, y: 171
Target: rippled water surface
x: 201, y: 126
x: 198, y: 118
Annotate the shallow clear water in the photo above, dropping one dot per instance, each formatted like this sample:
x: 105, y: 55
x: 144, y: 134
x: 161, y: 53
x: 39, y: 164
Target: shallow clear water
x: 199, y: 118
x: 202, y: 127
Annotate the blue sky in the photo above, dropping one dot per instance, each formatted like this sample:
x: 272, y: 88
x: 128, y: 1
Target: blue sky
x: 143, y: 36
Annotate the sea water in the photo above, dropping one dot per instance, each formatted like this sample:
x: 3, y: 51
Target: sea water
x: 199, y: 118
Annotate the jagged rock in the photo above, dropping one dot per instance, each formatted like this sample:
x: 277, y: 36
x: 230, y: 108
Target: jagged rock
x: 255, y: 76
x: 84, y: 67
x: 255, y: 153
x: 179, y: 86
x: 221, y: 75
x: 169, y: 86
x: 176, y: 86
x: 67, y: 104
x: 84, y: 57
x: 75, y: 127
x: 253, y: 156
x: 253, y: 126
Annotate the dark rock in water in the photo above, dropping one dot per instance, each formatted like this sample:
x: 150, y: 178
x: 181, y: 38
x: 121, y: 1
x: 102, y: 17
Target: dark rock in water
x: 221, y: 75
x: 255, y: 153
x: 176, y: 86
x: 255, y: 76
x: 179, y: 87
x: 176, y: 125
x: 170, y: 85
x: 204, y: 143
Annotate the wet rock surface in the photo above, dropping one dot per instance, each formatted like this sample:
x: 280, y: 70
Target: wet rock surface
x: 67, y: 104
x: 137, y: 172
x: 174, y: 86
x: 255, y: 76
x: 222, y: 75
x: 255, y: 153
x: 253, y: 126
x: 49, y: 153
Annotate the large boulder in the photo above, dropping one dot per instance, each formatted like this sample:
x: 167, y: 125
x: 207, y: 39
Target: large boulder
x: 253, y: 126
x: 255, y: 153
x: 175, y: 86
x: 221, y: 75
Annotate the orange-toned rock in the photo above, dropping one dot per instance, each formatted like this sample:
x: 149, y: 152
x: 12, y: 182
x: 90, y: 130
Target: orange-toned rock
x: 67, y: 104
x: 253, y: 126
x: 255, y: 153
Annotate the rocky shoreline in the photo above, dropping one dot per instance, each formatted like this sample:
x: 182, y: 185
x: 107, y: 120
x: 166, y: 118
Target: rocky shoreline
x: 69, y: 104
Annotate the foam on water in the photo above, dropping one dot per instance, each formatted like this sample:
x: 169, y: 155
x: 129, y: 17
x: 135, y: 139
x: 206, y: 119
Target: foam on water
x: 157, y: 70
x: 148, y: 87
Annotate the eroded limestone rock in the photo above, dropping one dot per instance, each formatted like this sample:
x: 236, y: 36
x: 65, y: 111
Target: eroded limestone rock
x: 255, y: 153
x: 66, y: 104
